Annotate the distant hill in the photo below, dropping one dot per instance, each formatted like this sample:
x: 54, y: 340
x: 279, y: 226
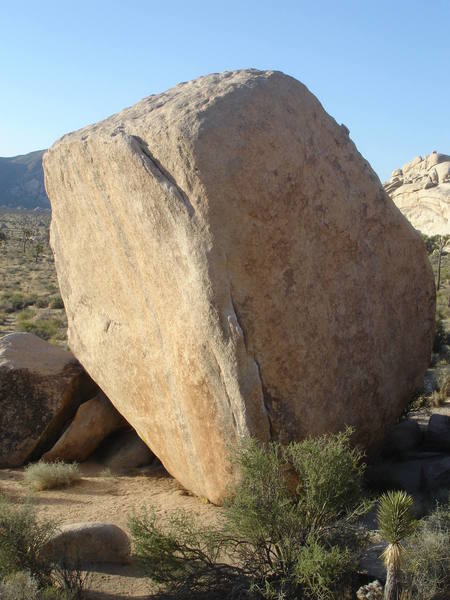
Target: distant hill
x: 22, y: 181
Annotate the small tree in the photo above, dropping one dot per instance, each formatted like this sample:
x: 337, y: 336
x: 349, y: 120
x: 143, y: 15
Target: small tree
x: 38, y: 249
x: 436, y: 243
x: 396, y: 522
x: 3, y: 239
x: 27, y: 236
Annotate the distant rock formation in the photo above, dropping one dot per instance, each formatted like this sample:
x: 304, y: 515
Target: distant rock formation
x: 231, y: 266
x: 22, y: 181
x: 421, y: 190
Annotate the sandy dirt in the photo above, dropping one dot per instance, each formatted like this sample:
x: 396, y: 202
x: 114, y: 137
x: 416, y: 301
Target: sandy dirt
x: 110, y: 499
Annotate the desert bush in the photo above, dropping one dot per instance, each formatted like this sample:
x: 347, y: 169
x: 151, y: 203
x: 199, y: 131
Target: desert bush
x: 42, y: 302
x: 12, y: 302
x: 22, y: 540
x: 45, y: 328
x: 69, y: 580
x: 427, y: 560
x: 287, y: 531
x: 56, y: 302
x: 52, y: 475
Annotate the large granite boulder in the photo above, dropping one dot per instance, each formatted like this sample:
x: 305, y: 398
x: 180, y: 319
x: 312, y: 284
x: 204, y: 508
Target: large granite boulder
x: 41, y: 387
x: 231, y: 265
x: 94, y: 421
x: 421, y: 190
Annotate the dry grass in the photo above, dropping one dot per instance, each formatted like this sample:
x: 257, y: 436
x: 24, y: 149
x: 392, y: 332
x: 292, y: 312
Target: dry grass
x: 50, y: 476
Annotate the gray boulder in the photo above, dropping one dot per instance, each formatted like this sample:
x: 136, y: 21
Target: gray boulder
x: 402, y: 438
x: 438, y: 432
x: 125, y: 450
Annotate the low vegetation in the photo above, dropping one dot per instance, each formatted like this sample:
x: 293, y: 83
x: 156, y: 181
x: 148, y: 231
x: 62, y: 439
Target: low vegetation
x: 29, y: 297
x: 53, y: 475
x: 288, y: 531
x: 26, y: 571
x: 426, y: 571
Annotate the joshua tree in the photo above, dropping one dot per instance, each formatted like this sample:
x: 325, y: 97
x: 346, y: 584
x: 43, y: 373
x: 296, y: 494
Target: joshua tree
x: 396, y: 521
x: 38, y: 249
x: 436, y: 243
x: 3, y: 239
x: 27, y: 236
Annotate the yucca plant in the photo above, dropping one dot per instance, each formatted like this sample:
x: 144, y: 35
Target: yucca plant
x: 396, y: 522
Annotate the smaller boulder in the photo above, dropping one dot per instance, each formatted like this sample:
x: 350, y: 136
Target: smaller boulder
x: 402, y: 438
x: 81, y: 543
x: 41, y: 387
x: 438, y: 432
x: 94, y: 421
x: 125, y: 450
x: 427, y: 472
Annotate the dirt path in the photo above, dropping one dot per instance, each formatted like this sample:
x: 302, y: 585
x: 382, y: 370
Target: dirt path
x: 110, y: 499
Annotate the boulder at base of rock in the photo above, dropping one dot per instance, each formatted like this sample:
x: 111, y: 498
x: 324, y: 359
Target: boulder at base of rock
x: 93, y: 422
x: 402, y: 438
x: 438, y: 432
x: 425, y: 472
x: 124, y: 450
x: 230, y: 265
x: 81, y: 543
x: 41, y: 387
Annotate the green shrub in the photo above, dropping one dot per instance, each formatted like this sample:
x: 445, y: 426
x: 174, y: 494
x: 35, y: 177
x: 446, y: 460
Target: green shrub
x: 42, y: 302
x: 22, y: 539
x: 44, y: 328
x: 427, y: 560
x: 288, y: 531
x: 52, y: 475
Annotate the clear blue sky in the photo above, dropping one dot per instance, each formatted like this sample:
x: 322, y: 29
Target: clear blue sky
x: 381, y: 67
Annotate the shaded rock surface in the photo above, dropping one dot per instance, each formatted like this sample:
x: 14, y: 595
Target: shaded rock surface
x: 230, y: 266
x: 124, y: 450
x: 438, y: 432
x: 93, y: 422
x: 402, y: 438
x: 41, y: 387
x: 421, y: 190
x: 81, y: 543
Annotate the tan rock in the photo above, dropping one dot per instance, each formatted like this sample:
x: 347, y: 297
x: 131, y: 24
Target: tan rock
x: 421, y: 190
x: 230, y: 265
x: 80, y: 543
x: 41, y: 387
x: 94, y: 421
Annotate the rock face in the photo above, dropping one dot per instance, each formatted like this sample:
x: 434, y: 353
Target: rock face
x: 231, y: 265
x: 93, y: 422
x: 41, y: 387
x: 421, y: 190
